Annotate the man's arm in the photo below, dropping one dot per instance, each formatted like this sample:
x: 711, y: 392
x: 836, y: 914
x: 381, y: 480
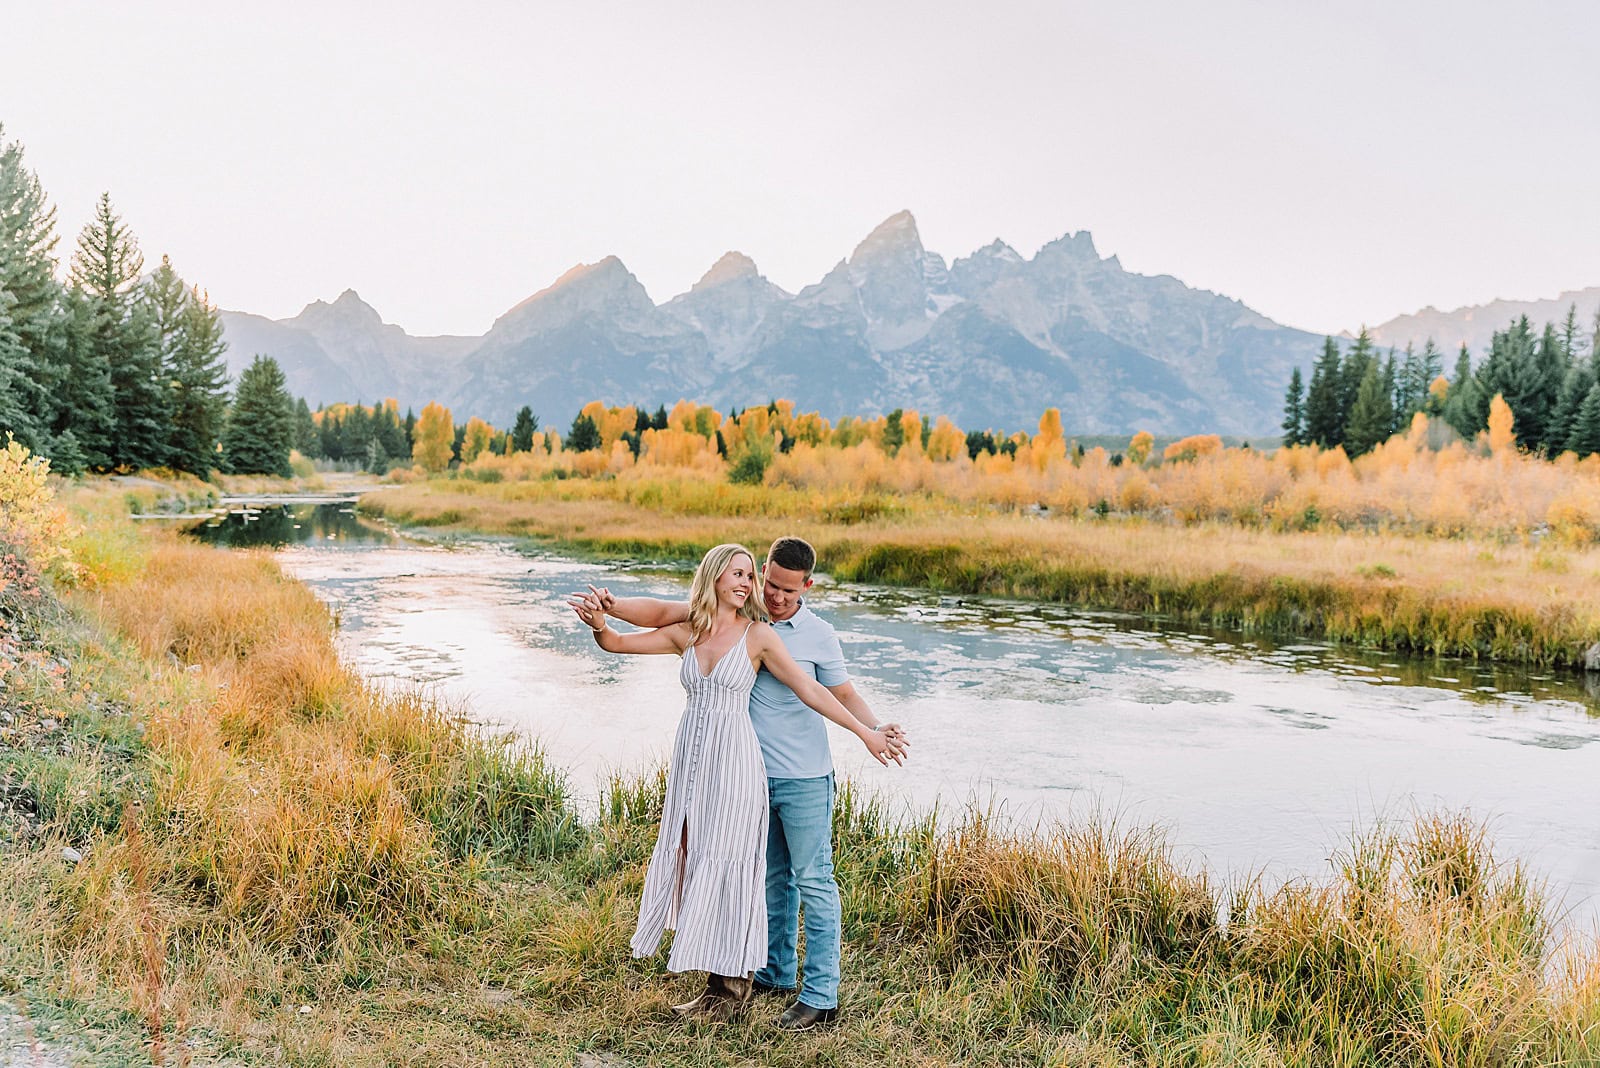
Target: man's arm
x: 847, y: 694
x: 640, y: 611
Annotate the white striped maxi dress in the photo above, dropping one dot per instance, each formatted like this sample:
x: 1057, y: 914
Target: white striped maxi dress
x: 713, y: 895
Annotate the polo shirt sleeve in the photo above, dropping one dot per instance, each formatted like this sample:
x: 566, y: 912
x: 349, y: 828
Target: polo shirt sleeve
x: 830, y: 661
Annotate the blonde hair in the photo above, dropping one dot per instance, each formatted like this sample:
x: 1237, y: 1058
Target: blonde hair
x: 703, y: 591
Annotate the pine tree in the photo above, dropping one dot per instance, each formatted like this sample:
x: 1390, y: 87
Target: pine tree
x: 307, y: 441
x: 523, y: 429
x: 84, y: 410
x: 1552, y: 363
x: 1514, y: 371
x: 1372, y: 415
x: 1294, y: 411
x: 390, y: 432
x: 1585, y: 436
x: 1324, y: 426
x: 329, y: 436
x: 1407, y: 393
x: 16, y: 418
x: 1351, y: 373
x: 188, y: 333
x: 1466, y: 409
x: 658, y: 421
x: 35, y: 322
x: 1575, y: 386
x: 260, y: 426
x: 1391, y: 386
x: 584, y: 435
x: 1571, y: 342
x: 1430, y: 367
x: 105, y: 269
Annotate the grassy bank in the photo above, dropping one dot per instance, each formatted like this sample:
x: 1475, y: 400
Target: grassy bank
x: 280, y: 861
x: 1508, y: 600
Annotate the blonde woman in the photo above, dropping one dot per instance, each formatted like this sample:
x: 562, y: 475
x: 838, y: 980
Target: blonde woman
x: 707, y: 874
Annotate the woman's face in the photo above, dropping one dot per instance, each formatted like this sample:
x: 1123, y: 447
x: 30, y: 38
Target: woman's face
x: 737, y: 581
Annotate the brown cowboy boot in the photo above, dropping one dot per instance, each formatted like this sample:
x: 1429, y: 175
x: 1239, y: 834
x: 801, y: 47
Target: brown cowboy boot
x: 713, y: 996
x: 737, y: 990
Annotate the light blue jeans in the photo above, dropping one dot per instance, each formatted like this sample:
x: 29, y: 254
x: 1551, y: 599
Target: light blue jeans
x: 800, y: 873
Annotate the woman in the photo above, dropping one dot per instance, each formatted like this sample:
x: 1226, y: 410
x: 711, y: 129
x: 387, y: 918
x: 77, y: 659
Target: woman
x: 706, y: 879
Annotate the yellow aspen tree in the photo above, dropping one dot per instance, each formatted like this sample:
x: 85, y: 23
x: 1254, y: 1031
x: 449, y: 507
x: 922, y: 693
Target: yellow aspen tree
x: 477, y: 439
x: 1139, y: 447
x: 433, y: 437
x: 707, y: 421
x: 1502, y: 436
x: 1050, y: 430
x: 682, y: 416
x: 911, y: 431
x: 946, y: 442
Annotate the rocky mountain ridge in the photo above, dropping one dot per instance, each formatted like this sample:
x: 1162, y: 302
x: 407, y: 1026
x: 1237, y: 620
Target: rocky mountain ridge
x: 990, y: 339
x: 1474, y: 325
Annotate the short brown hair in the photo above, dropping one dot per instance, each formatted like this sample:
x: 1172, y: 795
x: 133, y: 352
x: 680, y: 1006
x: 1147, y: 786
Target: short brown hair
x: 795, y: 554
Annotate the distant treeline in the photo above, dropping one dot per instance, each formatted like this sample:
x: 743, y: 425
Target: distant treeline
x: 377, y: 438
x: 1549, y: 380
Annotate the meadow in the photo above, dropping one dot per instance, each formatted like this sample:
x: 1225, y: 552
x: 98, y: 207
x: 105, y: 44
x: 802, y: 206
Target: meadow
x: 282, y: 863
x: 1424, y: 546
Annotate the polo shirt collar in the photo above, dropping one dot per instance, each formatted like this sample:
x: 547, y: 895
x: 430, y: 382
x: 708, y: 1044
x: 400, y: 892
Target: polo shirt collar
x: 793, y: 620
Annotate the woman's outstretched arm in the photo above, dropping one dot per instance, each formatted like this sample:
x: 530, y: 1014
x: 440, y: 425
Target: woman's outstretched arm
x: 673, y: 639
x: 769, y: 650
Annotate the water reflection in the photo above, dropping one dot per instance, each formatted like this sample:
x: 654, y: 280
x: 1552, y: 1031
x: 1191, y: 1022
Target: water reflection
x: 247, y: 525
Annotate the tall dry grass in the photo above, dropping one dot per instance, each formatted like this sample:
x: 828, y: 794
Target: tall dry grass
x: 295, y: 800
x: 320, y: 873
x: 1512, y: 600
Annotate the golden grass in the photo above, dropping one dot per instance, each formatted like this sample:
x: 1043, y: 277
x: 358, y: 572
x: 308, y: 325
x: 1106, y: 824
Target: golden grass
x: 315, y: 872
x: 1515, y: 600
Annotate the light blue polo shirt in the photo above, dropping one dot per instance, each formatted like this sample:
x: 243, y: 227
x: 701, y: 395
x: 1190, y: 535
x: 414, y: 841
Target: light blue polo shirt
x: 794, y: 739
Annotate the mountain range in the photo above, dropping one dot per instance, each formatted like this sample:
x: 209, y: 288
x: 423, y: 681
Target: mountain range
x: 990, y: 339
x: 1474, y: 326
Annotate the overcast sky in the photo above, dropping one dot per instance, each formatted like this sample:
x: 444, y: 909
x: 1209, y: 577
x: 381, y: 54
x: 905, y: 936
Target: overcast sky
x: 1329, y: 164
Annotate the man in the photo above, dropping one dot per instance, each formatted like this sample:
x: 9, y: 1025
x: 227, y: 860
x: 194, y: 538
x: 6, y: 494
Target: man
x: 800, y: 785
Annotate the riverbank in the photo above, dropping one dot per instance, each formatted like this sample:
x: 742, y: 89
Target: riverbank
x: 1514, y: 601
x: 275, y: 857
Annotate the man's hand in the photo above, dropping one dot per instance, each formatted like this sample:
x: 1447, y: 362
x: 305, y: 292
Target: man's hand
x: 899, y: 744
x: 603, y: 598
x: 879, y: 746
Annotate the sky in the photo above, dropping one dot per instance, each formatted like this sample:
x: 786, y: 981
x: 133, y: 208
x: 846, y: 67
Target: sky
x: 1331, y: 164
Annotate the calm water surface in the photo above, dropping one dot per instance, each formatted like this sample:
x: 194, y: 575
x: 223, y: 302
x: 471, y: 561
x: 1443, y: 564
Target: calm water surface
x: 1256, y: 758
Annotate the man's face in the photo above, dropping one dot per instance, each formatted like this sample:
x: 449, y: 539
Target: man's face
x: 781, y: 590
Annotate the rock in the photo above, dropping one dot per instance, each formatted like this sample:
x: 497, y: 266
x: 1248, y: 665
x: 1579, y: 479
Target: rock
x: 1591, y: 659
x: 71, y: 856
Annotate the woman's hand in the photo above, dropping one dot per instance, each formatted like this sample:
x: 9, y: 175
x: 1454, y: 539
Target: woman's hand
x: 589, y: 610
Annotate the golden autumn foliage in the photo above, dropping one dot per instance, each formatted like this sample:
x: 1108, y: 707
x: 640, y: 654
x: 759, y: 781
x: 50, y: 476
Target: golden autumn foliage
x: 433, y: 438
x: 1139, y: 447
x: 1407, y: 485
x: 476, y: 440
x: 1502, y: 436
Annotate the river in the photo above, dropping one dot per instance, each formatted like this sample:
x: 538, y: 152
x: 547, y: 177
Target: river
x: 1257, y: 759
